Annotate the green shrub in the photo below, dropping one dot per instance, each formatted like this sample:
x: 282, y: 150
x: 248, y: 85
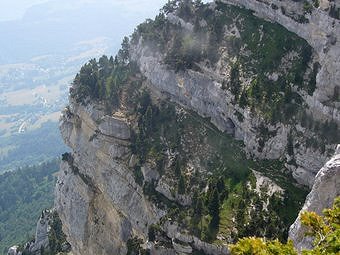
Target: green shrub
x: 324, y: 230
x: 134, y: 247
x: 137, y: 173
x: 307, y: 7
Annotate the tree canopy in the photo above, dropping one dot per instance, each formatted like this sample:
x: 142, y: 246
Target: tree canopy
x: 325, y: 230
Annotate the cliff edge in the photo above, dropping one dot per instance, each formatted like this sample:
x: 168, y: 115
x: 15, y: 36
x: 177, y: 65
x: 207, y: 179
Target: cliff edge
x: 325, y: 189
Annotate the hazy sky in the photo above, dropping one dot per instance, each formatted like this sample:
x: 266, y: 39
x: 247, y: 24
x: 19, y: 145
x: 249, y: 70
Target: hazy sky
x: 15, y: 9
x: 39, y: 27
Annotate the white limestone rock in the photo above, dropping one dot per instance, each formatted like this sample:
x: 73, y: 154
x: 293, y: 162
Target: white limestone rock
x: 112, y: 126
x: 97, y: 198
x: 182, y: 249
x: 41, y: 233
x: 13, y: 251
x: 178, y: 21
x: 324, y: 191
x: 149, y: 174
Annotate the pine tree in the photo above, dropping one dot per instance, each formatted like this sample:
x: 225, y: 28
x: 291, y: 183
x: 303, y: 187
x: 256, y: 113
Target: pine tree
x: 181, y: 185
x: 123, y: 53
x: 199, y: 207
x: 214, y: 204
x: 243, y: 99
x: 177, y: 168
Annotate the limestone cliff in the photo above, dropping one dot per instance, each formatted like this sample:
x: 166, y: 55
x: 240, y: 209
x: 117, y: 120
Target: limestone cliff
x: 326, y: 187
x: 201, y: 91
x: 96, y: 196
x: 187, y: 140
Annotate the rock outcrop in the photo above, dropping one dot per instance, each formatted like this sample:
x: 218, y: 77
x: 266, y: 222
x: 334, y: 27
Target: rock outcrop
x: 96, y: 196
x: 13, y: 251
x: 41, y: 235
x: 41, y: 240
x: 47, y: 235
x: 325, y: 189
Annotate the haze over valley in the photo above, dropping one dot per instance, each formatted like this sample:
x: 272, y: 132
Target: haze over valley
x: 43, y: 44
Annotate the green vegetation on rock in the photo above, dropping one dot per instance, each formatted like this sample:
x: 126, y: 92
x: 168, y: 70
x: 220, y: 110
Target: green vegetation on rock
x: 325, y: 230
x: 134, y: 247
x: 274, y: 59
x: 103, y: 80
x: 224, y: 170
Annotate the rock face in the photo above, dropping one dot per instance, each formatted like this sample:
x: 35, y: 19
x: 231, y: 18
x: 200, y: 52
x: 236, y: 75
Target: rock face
x: 13, y: 251
x: 103, y: 189
x: 325, y: 189
x: 203, y: 94
x: 201, y: 91
x: 41, y: 234
x: 96, y: 195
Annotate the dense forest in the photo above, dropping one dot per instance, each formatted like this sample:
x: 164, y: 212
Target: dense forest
x: 24, y: 194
